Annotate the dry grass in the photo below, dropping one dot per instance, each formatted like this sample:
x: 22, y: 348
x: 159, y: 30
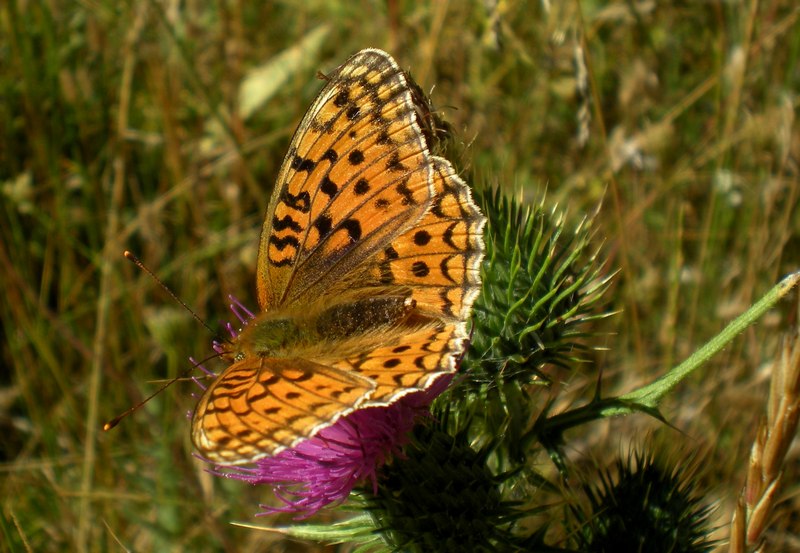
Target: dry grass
x: 765, y: 476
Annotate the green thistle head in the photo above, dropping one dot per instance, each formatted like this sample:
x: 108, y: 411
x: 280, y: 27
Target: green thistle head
x: 442, y: 497
x: 649, y: 506
x: 540, y: 285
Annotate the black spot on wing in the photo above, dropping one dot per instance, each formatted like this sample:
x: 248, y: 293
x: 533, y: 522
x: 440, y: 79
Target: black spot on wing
x: 302, y: 164
x: 284, y: 223
x: 300, y: 202
x: 385, y: 268
x: 356, y: 157
x: 328, y: 187
x: 404, y: 191
x: 394, y: 164
x: 447, y: 237
x: 330, y: 155
x: 444, y: 268
x: 281, y: 243
x: 353, y: 228
x: 323, y: 224
x: 342, y: 98
x: 422, y: 237
x: 384, y: 138
x: 361, y: 187
x: 420, y: 269
x: 353, y: 113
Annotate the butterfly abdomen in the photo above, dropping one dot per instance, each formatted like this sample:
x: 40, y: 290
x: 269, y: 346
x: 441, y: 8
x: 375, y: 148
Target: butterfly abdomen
x: 364, y: 316
x: 282, y: 335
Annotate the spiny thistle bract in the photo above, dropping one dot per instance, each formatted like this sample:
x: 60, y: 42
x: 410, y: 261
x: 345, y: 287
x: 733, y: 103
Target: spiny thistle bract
x: 649, y: 506
x: 541, y: 285
x: 441, y: 496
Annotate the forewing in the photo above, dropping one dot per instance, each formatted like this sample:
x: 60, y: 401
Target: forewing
x: 439, y: 258
x: 358, y: 172
x: 260, y: 406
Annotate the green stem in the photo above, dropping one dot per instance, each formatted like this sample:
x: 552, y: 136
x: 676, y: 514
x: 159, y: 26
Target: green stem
x: 646, y: 399
x: 648, y: 396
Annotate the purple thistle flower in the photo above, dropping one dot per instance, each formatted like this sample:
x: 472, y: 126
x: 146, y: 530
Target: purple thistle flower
x: 324, y: 469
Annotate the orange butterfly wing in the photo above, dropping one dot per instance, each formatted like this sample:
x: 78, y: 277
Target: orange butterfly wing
x: 361, y: 208
x: 259, y: 407
x: 358, y: 171
x: 439, y: 258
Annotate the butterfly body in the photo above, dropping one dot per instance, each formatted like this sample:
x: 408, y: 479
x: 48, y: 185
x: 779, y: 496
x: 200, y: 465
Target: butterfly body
x: 324, y: 329
x: 368, y: 265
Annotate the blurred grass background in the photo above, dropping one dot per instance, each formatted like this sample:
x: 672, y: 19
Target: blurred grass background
x: 159, y: 127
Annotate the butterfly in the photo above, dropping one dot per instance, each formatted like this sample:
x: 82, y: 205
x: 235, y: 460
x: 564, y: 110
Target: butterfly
x: 368, y: 266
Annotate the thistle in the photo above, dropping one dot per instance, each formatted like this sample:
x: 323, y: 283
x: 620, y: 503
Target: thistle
x: 649, y: 505
x: 541, y: 286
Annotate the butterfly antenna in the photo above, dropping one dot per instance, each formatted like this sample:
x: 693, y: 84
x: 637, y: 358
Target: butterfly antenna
x: 116, y: 420
x: 135, y: 260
